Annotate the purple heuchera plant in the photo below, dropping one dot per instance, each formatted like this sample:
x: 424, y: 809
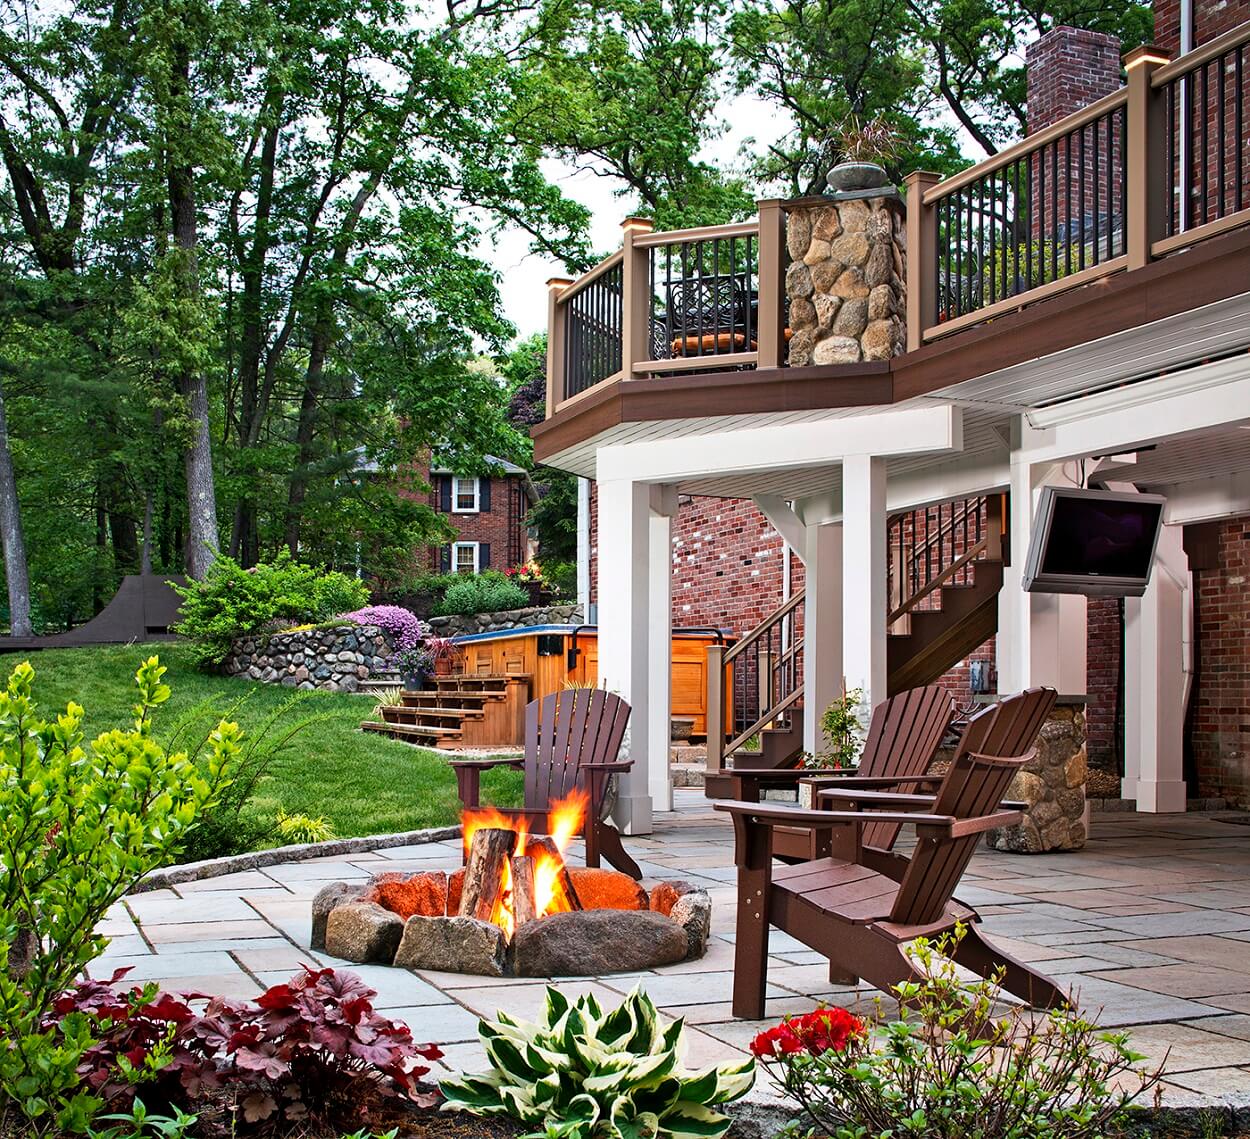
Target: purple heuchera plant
x: 403, y: 625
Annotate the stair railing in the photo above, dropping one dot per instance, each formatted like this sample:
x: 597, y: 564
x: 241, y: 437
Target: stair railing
x: 936, y: 546
x: 755, y: 683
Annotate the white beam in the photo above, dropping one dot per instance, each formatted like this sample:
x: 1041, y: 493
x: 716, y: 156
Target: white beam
x: 663, y: 507
x: 903, y: 431
x: 583, y: 547
x: 781, y: 514
x: 1216, y: 395
x: 1207, y: 500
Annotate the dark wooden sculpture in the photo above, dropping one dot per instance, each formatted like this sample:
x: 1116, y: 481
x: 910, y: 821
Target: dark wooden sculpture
x: 572, y: 739
x: 860, y: 918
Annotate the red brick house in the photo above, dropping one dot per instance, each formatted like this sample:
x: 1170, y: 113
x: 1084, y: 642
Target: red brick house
x: 488, y: 512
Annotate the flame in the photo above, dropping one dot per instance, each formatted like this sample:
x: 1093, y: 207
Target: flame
x: 564, y: 823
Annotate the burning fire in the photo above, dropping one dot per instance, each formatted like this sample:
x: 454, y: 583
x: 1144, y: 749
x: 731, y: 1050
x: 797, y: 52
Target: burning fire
x: 564, y: 823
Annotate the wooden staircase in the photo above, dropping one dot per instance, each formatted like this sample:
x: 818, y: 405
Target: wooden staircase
x: 458, y: 711
x: 945, y: 572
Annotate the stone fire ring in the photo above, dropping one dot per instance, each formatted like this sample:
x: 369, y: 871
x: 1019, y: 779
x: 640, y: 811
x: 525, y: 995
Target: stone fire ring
x: 412, y: 922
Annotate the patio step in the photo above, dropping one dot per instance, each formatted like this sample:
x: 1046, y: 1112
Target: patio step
x: 419, y: 734
x: 457, y: 711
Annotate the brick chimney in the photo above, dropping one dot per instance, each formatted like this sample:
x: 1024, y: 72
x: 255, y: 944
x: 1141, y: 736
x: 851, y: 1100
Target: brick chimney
x: 1069, y: 68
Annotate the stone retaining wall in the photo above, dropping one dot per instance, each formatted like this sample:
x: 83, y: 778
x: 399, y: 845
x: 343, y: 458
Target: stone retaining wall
x: 567, y: 613
x: 335, y: 660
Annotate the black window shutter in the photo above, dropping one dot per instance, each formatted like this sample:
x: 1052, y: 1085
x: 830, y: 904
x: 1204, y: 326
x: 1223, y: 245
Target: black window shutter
x: 483, y: 555
x: 444, y: 559
x: 444, y: 495
x: 484, y: 495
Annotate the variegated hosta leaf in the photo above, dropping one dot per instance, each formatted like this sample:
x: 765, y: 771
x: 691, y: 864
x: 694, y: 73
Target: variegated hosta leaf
x: 475, y: 1094
x: 686, y: 1120
x: 733, y: 1081
x: 509, y: 1058
x: 627, y: 1122
x: 584, y: 1108
x: 557, y: 1005
x: 520, y: 1102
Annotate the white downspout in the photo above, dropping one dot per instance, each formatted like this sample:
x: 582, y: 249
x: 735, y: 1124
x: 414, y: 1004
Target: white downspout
x: 583, y: 548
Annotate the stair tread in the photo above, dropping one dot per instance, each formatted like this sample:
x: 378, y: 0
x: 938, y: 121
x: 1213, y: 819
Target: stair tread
x: 462, y: 713
x: 408, y: 729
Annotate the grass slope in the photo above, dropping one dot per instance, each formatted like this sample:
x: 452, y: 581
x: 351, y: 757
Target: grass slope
x: 362, y: 784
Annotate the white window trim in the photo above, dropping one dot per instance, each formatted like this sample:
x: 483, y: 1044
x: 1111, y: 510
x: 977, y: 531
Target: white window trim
x: 476, y: 547
x: 456, y: 508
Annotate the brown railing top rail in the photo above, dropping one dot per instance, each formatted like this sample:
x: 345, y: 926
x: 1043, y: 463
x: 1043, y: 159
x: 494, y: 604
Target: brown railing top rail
x: 1192, y: 60
x: 1026, y: 146
x: 589, y: 277
x: 700, y: 233
x: 960, y: 515
x: 755, y: 634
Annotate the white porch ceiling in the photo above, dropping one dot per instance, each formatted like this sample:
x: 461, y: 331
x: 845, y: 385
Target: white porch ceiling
x: 1209, y: 454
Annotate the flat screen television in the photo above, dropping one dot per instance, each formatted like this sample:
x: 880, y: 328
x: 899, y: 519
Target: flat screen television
x: 1097, y: 542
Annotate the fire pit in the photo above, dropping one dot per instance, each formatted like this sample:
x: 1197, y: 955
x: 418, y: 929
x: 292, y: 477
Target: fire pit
x: 516, y: 909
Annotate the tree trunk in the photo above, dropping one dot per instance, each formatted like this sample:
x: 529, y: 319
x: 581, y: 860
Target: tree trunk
x: 192, y: 385
x: 15, y: 570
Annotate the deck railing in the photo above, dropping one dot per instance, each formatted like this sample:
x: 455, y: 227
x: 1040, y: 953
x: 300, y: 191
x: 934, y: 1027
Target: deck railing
x: 1148, y: 170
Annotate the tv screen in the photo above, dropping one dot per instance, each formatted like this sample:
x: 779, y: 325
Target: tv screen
x: 1093, y: 541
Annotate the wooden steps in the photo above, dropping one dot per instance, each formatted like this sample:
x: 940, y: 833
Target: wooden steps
x: 457, y: 711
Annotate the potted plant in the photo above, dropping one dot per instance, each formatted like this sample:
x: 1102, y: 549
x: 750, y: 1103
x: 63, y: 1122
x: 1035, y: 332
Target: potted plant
x: 529, y: 577
x: 414, y: 666
x: 444, y: 652
x: 864, y: 148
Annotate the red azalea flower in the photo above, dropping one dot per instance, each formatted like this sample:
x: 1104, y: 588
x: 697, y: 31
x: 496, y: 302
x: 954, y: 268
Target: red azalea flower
x: 825, y: 1030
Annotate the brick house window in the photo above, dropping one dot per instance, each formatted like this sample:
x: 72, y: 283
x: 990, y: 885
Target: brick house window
x: 465, y: 557
x: 465, y: 496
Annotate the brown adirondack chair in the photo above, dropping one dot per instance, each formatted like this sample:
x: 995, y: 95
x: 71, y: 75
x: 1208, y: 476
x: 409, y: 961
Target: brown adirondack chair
x: 572, y: 739
x: 860, y: 918
x: 903, y: 735
x: 1011, y: 732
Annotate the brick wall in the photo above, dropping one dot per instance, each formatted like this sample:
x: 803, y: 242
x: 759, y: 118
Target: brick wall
x: 1221, y: 722
x: 1069, y: 68
x: 1211, y: 18
x: 1104, y: 633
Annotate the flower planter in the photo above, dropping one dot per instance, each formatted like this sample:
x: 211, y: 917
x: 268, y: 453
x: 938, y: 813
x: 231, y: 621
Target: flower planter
x: 847, y: 176
x: 416, y: 682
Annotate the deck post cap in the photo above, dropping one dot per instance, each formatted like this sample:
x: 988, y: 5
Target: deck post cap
x: 1146, y: 53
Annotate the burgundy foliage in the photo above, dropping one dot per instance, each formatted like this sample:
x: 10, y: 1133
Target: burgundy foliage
x: 312, y: 1047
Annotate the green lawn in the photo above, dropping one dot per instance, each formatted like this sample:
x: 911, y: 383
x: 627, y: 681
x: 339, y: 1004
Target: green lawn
x: 360, y: 783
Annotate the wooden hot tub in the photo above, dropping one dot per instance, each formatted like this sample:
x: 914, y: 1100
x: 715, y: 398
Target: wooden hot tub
x: 550, y: 656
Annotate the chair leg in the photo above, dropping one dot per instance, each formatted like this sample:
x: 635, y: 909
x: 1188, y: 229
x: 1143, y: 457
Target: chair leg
x: 878, y: 959
x: 841, y: 976
x: 982, y: 957
x: 611, y: 847
x: 751, y: 946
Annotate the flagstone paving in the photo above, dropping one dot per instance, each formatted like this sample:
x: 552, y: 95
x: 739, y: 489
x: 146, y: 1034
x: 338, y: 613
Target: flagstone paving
x: 1149, y: 924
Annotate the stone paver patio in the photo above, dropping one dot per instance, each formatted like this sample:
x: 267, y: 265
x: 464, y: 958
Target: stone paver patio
x: 1151, y: 922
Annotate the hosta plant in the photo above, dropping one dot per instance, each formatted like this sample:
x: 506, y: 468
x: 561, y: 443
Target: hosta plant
x: 584, y: 1073
x: 954, y: 1065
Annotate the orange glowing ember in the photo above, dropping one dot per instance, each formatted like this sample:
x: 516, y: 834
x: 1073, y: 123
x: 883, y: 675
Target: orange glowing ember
x: 564, y: 823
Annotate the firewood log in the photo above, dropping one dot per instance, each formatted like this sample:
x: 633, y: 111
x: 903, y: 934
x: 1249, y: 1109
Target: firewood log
x: 483, y: 875
x: 547, y: 843
x: 523, y: 890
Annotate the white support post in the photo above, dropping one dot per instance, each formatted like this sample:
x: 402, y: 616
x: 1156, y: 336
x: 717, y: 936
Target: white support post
x: 1155, y: 667
x: 822, y: 627
x: 1041, y: 636
x: 583, y: 547
x: 663, y: 507
x: 864, y: 573
x: 624, y: 632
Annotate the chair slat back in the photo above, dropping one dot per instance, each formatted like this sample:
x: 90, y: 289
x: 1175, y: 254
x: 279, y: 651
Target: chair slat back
x: 996, y: 743
x: 1014, y: 730
x: 565, y: 730
x: 903, y: 735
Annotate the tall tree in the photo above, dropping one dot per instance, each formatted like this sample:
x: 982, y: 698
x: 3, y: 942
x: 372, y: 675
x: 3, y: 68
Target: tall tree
x: 15, y: 568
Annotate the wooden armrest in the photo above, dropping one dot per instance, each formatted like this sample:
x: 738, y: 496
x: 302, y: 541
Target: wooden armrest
x: 869, y: 781
x: 767, y: 774
x: 875, y: 798
x: 615, y: 765
x: 486, y: 764
x: 779, y: 815
x: 959, y: 828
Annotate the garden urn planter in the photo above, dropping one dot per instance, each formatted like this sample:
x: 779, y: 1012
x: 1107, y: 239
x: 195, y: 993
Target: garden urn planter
x: 848, y: 176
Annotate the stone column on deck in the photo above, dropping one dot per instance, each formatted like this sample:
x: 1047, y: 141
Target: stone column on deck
x: 845, y: 278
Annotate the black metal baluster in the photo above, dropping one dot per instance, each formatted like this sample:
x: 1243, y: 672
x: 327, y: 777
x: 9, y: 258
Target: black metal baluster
x: 1206, y: 152
x: 1123, y: 177
x: 1221, y: 125
x: 1080, y: 214
x: 1243, y: 146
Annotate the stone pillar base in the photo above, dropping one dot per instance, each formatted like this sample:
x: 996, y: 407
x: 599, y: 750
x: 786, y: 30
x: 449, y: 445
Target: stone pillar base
x: 1053, y: 787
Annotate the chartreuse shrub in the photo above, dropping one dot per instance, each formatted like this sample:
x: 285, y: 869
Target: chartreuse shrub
x: 80, y: 824
x: 582, y: 1073
x: 955, y: 1065
x: 231, y: 601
